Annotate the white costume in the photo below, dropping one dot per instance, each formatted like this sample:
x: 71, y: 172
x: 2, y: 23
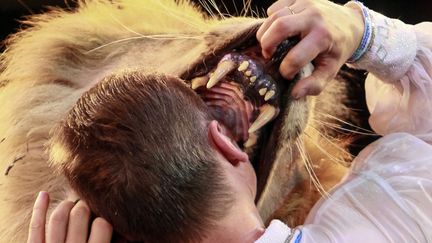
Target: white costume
x: 387, y: 195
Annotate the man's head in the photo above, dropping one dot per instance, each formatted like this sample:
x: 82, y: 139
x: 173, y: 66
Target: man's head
x: 144, y: 153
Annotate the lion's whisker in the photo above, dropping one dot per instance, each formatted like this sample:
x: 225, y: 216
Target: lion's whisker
x: 67, y: 4
x: 125, y: 27
x: 22, y: 3
x: 309, y: 168
x: 227, y: 12
x: 204, y: 4
x: 330, y: 141
x: 330, y: 125
x: 263, y: 12
x: 215, y: 6
x: 179, y: 17
x: 235, y: 7
x: 344, y: 122
x: 332, y: 157
x: 154, y: 37
x: 247, y: 7
x: 336, y: 127
x: 207, y: 8
x: 255, y: 13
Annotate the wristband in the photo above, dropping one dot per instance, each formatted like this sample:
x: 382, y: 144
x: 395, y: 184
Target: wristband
x: 393, y: 48
x: 368, y: 34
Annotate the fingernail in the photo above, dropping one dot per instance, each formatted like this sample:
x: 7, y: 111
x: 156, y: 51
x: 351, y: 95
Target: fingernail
x: 42, y: 196
x: 286, y: 72
x: 300, y: 94
x: 267, y: 54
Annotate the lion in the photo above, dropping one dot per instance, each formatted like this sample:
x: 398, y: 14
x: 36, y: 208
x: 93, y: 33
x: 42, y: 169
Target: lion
x: 62, y: 53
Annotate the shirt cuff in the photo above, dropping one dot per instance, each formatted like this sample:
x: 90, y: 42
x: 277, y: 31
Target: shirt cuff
x: 392, y: 51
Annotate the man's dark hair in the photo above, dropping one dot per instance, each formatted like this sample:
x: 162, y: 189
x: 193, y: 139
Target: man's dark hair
x: 136, y: 149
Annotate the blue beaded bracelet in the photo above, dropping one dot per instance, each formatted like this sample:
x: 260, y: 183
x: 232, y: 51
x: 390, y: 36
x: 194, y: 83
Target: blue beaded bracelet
x: 368, y: 33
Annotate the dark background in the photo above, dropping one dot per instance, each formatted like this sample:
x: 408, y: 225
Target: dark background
x: 410, y: 11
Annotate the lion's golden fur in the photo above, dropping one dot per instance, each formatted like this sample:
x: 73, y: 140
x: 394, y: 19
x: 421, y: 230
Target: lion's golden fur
x: 59, y: 55
x: 37, y: 64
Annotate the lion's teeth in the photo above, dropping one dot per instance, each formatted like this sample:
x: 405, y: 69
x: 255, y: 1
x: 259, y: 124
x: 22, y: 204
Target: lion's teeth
x: 252, y: 140
x: 199, y: 82
x: 262, y: 91
x: 252, y: 79
x: 221, y: 71
x: 248, y: 73
x: 269, y: 95
x: 243, y: 66
x: 267, y: 113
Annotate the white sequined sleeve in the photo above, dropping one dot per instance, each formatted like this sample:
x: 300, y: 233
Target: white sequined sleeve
x: 387, y: 195
x: 399, y: 86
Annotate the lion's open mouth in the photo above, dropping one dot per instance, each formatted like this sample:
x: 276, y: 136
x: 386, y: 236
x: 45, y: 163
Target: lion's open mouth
x: 240, y: 95
x: 246, y: 93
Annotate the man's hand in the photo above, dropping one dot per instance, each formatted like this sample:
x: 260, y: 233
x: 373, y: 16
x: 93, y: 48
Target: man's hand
x: 69, y: 222
x: 329, y: 33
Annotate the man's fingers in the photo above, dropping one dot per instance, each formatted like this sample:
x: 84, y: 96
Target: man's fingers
x: 58, y: 222
x: 101, y: 231
x: 267, y: 23
x: 314, y: 84
x: 78, y: 223
x: 37, y: 223
x: 278, y: 5
x: 281, y: 29
x: 300, y: 55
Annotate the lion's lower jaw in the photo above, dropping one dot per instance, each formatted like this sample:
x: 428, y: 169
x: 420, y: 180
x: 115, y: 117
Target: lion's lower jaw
x: 319, y: 160
x: 296, y: 206
x: 309, y: 180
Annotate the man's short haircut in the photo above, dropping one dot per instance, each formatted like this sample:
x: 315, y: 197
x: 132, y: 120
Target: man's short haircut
x: 136, y: 149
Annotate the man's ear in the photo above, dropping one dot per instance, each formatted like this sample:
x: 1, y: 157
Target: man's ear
x: 224, y: 144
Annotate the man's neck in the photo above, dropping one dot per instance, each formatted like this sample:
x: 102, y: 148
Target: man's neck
x: 242, y: 225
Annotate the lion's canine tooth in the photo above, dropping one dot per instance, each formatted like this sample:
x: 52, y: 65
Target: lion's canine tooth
x: 252, y: 79
x: 248, y: 73
x: 199, y: 81
x: 221, y: 71
x: 243, y: 66
x: 267, y: 113
x: 262, y: 91
x: 252, y: 140
x: 269, y: 95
